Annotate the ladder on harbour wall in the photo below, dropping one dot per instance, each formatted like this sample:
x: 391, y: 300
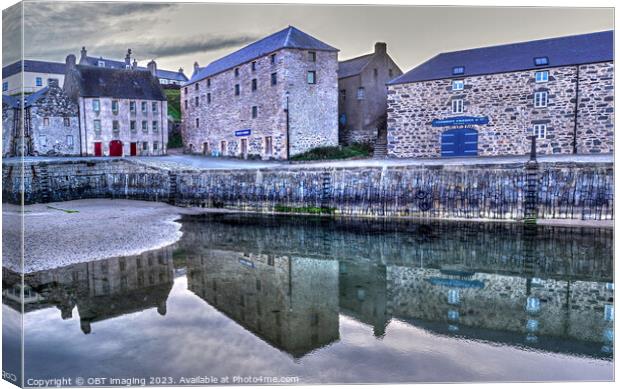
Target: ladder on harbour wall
x: 41, y: 174
x: 530, y: 198
x: 326, y: 192
x: 172, y: 188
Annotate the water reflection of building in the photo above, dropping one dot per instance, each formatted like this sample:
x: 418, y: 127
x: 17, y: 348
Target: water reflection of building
x: 100, y: 289
x: 292, y: 303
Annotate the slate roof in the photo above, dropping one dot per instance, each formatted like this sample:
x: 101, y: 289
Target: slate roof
x: 353, y: 66
x: 114, y: 64
x: 289, y: 38
x: 95, y: 81
x: 34, y: 67
x: 562, y: 51
x: 33, y: 97
x: 11, y: 101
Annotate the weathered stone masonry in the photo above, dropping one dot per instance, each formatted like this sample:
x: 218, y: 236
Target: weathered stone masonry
x: 507, y: 99
x: 565, y: 190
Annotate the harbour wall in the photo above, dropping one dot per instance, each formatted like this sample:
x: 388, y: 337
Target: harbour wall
x: 562, y: 190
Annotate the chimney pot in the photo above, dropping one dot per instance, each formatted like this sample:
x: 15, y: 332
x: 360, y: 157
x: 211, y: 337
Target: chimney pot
x: 70, y: 61
x: 152, y: 67
x: 381, y: 47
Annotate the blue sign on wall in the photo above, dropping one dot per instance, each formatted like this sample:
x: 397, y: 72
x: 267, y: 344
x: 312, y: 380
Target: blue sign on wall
x: 245, y: 132
x: 460, y: 121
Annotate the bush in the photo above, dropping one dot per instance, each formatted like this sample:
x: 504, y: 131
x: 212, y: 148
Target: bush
x: 356, y: 150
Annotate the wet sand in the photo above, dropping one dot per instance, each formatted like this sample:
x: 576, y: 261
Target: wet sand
x: 63, y: 233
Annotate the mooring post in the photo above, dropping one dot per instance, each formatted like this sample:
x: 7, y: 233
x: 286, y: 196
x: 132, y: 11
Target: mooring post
x: 530, y: 206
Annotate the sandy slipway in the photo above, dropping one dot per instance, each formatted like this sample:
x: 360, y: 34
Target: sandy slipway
x: 60, y: 234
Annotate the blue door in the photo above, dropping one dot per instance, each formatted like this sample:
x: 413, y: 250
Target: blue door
x: 460, y: 142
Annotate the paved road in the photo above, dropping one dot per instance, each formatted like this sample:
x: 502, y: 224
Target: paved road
x: 201, y: 162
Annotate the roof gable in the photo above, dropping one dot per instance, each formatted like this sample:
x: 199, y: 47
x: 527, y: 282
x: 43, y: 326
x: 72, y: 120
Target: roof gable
x: 289, y: 38
x: 121, y: 83
x: 562, y: 51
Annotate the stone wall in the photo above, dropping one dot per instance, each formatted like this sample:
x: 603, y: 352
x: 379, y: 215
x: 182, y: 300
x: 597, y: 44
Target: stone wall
x: 8, y: 128
x: 219, y: 112
x: 566, y: 190
x: 507, y: 99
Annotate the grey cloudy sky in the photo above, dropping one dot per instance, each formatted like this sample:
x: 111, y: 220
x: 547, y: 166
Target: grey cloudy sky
x: 177, y: 34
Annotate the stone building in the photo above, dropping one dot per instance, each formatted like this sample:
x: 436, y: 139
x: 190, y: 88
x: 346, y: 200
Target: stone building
x: 122, y: 111
x: 29, y: 76
x: 51, y: 125
x: 274, y: 98
x: 165, y: 77
x: 362, y: 101
x: 489, y: 101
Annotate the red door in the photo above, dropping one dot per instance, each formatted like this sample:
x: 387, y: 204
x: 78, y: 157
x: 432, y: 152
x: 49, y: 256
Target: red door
x: 98, y: 152
x: 116, y: 148
x: 133, y: 148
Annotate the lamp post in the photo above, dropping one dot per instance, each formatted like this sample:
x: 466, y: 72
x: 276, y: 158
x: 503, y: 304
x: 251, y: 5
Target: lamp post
x: 288, y: 147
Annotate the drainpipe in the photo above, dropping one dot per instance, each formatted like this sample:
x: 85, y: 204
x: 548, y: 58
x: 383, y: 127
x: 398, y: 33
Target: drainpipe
x: 288, y: 135
x: 80, y: 127
x: 85, y: 126
x: 576, y: 116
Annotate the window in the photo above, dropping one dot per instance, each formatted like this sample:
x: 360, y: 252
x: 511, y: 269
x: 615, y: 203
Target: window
x: 38, y: 81
x: 101, y: 64
x: 376, y: 72
x: 144, y: 107
x: 196, y: 101
x: 115, y: 107
x: 533, y: 304
x: 132, y: 125
x: 197, y: 86
x: 312, y: 56
x: 155, y: 127
x: 254, y: 111
x: 185, y: 103
x: 115, y: 126
x: 542, y: 76
x: 343, y: 94
x: 391, y: 72
x: 458, y: 85
x: 208, y: 98
x: 457, y: 106
x: 197, y: 122
x: 154, y: 106
x: 145, y: 125
x: 237, y: 90
x: 43, y: 141
x: 52, y: 80
x: 132, y: 106
x: 274, y: 78
x: 96, y: 106
x: 69, y: 140
x: 361, y: 93
x: 311, y: 77
x: 540, y: 131
x: 236, y: 72
x: 268, y: 145
x: 273, y: 59
x: 97, y: 125
x: 540, y: 99
x: 458, y: 70
x: 253, y: 66
x: 46, y: 122
x: 5, y: 86
x: 254, y: 84
x: 67, y: 122
x: 155, y: 145
x: 185, y: 90
x: 208, y: 82
x: 541, y: 61
x: 223, y: 147
x: 453, y: 297
x: 145, y: 146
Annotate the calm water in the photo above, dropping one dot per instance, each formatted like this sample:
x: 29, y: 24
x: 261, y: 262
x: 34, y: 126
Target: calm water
x: 328, y: 301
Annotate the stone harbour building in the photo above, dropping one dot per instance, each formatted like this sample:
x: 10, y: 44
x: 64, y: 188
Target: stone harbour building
x: 123, y: 112
x: 489, y: 101
x: 274, y: 98
x: 362, y: 101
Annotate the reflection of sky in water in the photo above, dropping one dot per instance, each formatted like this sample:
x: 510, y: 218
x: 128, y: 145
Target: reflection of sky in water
x: 194, y: 338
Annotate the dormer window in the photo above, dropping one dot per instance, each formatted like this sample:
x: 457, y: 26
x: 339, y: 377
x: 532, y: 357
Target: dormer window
x: 541, y: 61
x: 458, y: 70
x: 101, y: 64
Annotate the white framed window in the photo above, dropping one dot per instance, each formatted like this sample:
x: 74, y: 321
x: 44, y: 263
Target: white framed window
x: 155, y: 146
x: 155, y: 127
x: 115, y: 107
x: 38, y: 81
x: 96, y: 105
x: 5, y: 86
x: 145, y: 126
x: 67, y: 121
x: 542, y: 76
x: 70, y: 140
x: 311, y: 77
x: 361, y: 93
x: 144, y: 107
x: 97, y: 125
x: 540, y: 131
x: 46, y: 122
x: 532, y: 304
x: 132, y: 106
x: 115, y: 126
x: 154, y: 106
x: 101, y: 64
x: 540, y: 99
x: 457, y: 106
x: 458, y: 85
x: 132, y: 125
x: 145, y: 146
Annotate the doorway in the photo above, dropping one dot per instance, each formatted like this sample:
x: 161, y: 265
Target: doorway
x: 133, y: 148
x: 244, y: 148
x: 459, y: 142
x: 98, y: 151
x: 116, y: 148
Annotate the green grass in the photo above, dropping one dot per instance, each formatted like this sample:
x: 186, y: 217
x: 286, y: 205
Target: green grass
x: 174, y: 103
x: 312, y: 210
x: 356, y: 150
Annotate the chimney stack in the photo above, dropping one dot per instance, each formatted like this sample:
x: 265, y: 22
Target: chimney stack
x: 180, y: 70
x: 135, y: 64
x: 70, y: 62
x: 152, y: 67
x: 196, y: 67
x: 83, y: 54
x: 380, y: 48
x: 128, y: 58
